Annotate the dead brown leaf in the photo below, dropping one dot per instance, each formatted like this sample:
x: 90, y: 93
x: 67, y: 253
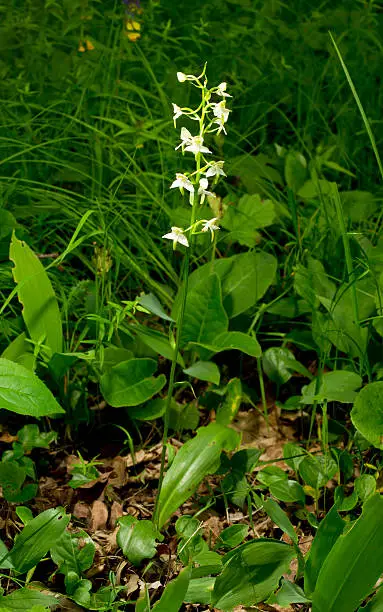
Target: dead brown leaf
x: 99, y: 516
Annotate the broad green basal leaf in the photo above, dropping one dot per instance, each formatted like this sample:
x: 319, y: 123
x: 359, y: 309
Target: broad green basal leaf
x: 27, y: 600
x: 243, y: 220
x: 22, y: 392
x: 37, y: 537
x: 205, y: 317
x: 40, y: 309
x: 354, y: 564
x: 137, y: 539
x: 229, y: 341
x: 337, y: 386
x: 367, y: 413
x: 252, y: 573
x: 204, y: 370
x: 197, y: 458
x: 131, y: 382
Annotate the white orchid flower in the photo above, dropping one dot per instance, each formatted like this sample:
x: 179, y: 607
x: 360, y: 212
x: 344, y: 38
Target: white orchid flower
x: 221, y: 91
x: 177, y: 235
x: 215, y: 169
x: 182, y: 77
x: 182, y: 182
x: 196, y: 145
x: 209, y: 226
x: 202, y: 190
x: 186, y: 139
x: 220, y: 111
x: 177, y: 113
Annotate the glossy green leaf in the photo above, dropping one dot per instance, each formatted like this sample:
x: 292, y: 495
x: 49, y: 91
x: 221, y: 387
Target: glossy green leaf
x: 31, y: 437
x: 204, y: 370
x: 153, y: 409
x: 354, y: 564
x: 40, y: 309
x: 316, y: 471
x: 24, y: 599
x: 131, y: 383
x: 252, y: 573
x: 244, y: 278
x: 367, y: 413
x: 343, y: 500
x: 20, y: 351
x: 22, y: 392
x: 289, y: 593
x: 365, y: 486
x: 229, y: 341
x: 73, y: 552
x: 37, y: 537
x: 137, y: 539
x: 280, y: 518
x: 205, y: 317
x: 195, y: 460
x: 174, y: 594
x: 279, y: 365
x: 200, y: 590
x: 158, y: 342
x: 288, y: 491
x: 152, y: 303
x: 270, y: 474
x: 232, y: 536
x: 337, y: 386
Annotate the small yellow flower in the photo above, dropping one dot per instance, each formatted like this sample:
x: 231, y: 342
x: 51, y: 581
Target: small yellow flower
x: 89, y: 45
x: 133, y: 25
x: 81, y: 47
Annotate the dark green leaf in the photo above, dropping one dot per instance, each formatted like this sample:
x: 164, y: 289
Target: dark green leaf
x: 73, y: 552
x: 174, y: 594
x: 367, y: 413
x: 131, y: 382
x: 205, y: 317
x: 137, y: 539
x: 204, y: 370
x: 23, y: 600
x: 288, y: 491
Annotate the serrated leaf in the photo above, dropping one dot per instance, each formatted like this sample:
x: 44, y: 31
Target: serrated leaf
x: 131, y: 383
x: 22, y: 392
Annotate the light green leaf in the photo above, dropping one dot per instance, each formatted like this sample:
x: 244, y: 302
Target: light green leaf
x: 174, y: 594
x: 228, y: 410
x: 288, y: 491
x: 152, y: 303
x: 25, y: 599
x: 367, y: 413
x: 40, y: 309
x: 244, y: 278
x: 31, y: 437
x: 316, y: 471
x: 37, y: 537
x: 365, y: 486
x: 280, y: 518
x: 131, y: 383
x: 20, y: 351
x: 73, y: 552
x: 289, y: 593
x: 251, y: 213
x: 252, y: 573
x: 200, y: 590
x: 205, y: 317
x: 336, y: 386
x: 354, y: 564
x: 204, y: 370
x: 158, y: 342
x: 22, y: 392
x: 195, y: 460
x: 137, y: 539
x: 229, y: 341
x: 232, y: 536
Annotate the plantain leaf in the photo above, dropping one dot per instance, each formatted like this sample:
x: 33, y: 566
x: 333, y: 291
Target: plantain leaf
x: 354, y: 563
x: 37, y: 537
x: 40, y: 309
x: 197, y: 458
x: 252, y: 573
x: 22, y: 392
x: 130, y: 383
x: 205, y: 317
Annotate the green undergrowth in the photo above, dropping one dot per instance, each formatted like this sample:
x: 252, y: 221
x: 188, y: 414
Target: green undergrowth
x: 110, y: 336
